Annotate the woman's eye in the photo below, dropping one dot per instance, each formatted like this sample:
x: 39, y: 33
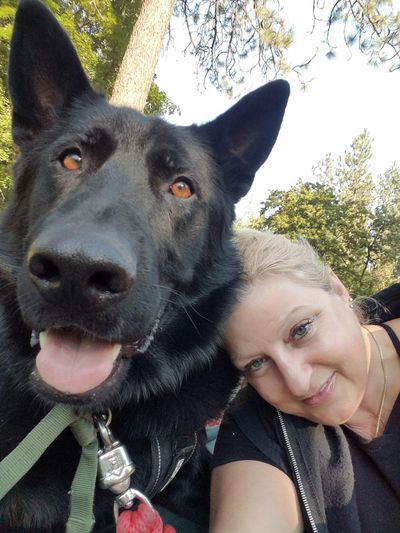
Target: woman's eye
x: 301, y: 330
x: 71, y: 159
x: 256, y: 364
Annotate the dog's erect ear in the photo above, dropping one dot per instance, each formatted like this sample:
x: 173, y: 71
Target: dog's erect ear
x: 243, y: 136
x: 45, y: 73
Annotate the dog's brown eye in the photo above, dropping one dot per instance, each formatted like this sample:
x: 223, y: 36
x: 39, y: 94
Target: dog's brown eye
x: 181, y: 189
x: 72, y: 160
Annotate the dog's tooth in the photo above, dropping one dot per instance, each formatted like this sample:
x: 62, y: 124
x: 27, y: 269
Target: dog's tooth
x: 115, y: 351
x: 34, y: 339
x: 42, y: 338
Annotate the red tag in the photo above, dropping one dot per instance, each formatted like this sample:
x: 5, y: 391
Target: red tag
x: 143, y: 520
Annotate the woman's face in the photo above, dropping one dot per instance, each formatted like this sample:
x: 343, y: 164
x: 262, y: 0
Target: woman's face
x: 301, y: 348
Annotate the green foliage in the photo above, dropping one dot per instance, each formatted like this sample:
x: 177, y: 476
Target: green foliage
x: 158, y: 103
x: 350, y: 218
x: 7, y: 152
x: 310, y: 210
x: 7, y: 12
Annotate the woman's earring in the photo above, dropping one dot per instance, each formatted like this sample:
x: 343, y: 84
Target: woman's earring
x: 351, y: 304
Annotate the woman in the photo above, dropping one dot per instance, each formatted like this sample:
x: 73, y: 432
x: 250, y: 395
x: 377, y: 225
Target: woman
x: 312, y: 443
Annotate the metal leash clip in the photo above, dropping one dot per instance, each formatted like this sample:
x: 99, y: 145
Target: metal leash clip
x: 115, y: 469
x: 126, y: 500
x: 114, y: 464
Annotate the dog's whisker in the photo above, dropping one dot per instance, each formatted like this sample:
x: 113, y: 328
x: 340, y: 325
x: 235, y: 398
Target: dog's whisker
x: 183, y: 301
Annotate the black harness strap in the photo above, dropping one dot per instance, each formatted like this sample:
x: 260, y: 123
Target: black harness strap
x: 167, y: 458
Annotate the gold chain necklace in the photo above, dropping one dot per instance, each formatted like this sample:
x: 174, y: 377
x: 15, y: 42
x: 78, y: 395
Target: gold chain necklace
x: 383, y: 397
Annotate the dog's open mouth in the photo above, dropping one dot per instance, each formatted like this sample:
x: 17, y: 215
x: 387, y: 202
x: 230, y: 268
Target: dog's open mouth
x: 73, y: 363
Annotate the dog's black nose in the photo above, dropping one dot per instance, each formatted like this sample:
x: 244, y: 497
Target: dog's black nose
x: 96, y: 271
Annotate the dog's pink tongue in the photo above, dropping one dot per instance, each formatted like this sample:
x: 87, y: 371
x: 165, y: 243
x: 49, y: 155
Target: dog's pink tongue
x: 72, y: 364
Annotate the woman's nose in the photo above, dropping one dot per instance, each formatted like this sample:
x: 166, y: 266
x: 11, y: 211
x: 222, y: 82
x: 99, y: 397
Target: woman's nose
x: 297, y: 376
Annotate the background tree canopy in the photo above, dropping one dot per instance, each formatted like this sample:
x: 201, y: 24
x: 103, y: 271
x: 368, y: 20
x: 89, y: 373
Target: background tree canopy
x: 228, y: 37
x: 351, y: 217
x: 232, y: 37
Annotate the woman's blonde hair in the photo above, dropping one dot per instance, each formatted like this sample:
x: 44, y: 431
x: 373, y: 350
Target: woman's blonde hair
x: 265, y: 254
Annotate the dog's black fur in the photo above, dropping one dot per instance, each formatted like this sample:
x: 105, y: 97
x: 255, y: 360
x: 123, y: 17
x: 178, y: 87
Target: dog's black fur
x: 110, y: 251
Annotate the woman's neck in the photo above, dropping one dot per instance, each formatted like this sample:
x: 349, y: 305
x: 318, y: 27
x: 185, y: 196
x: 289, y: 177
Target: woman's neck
x: 383, y: 385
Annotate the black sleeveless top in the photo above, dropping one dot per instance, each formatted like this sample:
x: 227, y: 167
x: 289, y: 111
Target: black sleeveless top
x: 376, y: 467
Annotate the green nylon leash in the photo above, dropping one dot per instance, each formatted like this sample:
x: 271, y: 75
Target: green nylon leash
x: 18, y: 462
x: 81, y: 519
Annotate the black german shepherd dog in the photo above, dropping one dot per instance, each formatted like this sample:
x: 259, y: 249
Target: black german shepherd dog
x: 115, y: 252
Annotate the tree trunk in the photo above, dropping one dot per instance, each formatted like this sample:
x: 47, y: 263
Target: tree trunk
x: 136, y: 72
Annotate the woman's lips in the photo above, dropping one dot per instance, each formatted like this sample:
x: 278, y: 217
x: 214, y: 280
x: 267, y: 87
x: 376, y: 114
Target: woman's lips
x: 324, y: 392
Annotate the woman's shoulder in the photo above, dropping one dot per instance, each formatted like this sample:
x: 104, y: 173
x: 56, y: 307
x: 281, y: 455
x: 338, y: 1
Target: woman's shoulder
x: 250, y: 431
